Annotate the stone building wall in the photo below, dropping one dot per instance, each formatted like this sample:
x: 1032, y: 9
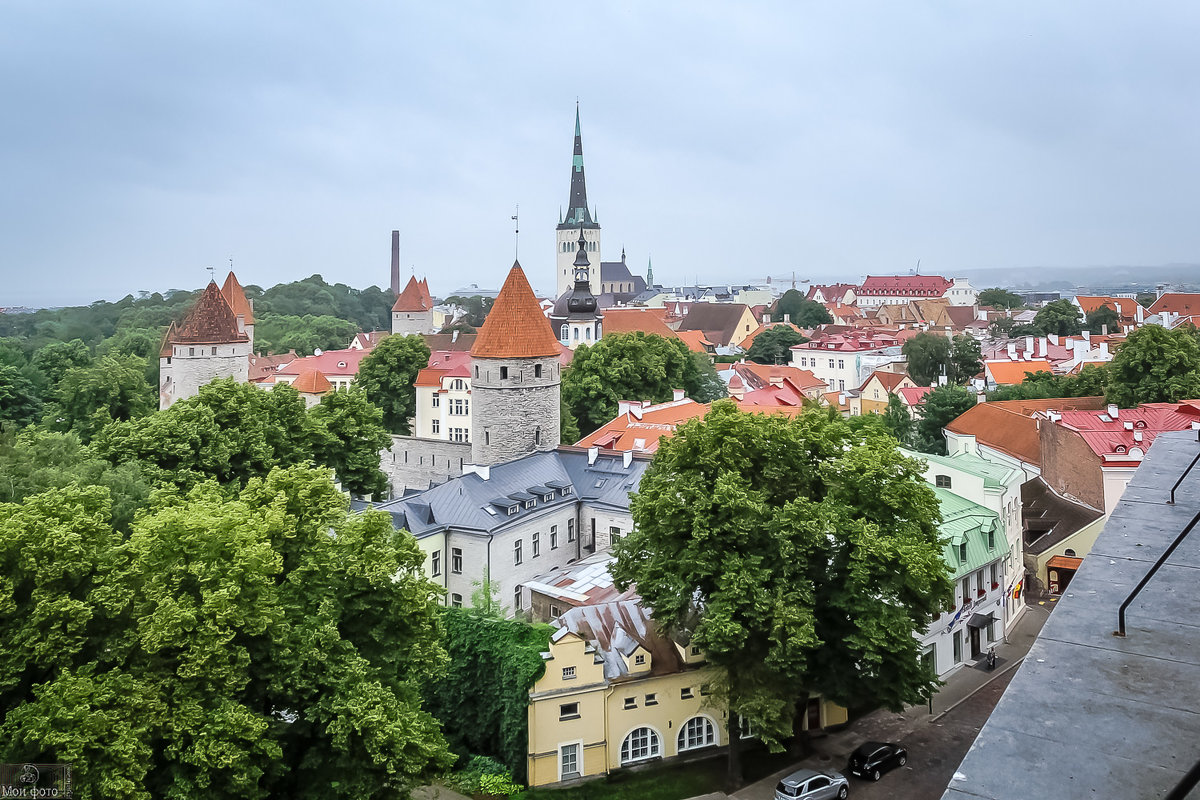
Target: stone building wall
x: 517, y: 414
x: 406, y: 323
x: 193, y: 366
x: 416, y: 463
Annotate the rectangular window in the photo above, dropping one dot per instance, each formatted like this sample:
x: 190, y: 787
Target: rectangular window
x: 554, y: 611
x: 437, y: 401
x: 568, y: 673
x: 614, y: 533
x: 962, y: 551
x: 553, y: 537
x: 437, y: 562
x: 979, y: 581
x: 639, y: 659
x: 504, y: 373
x: 685, y: 693
x: 191, y: 351
x: 456, y: 560
x: 214, y: 351
x: 991, y: 630
x: 456, y: 600
x: 966, y: 590
x: 941, y: 481
x: 957, y: 647
x: 630, y: 702
x: 995, y: 575
x: 517, y: 598
x: 831, y: 363
x: 517, y: 552
x: 841, y: 386
x: 992, y: 539
x: 841, y: 364
x: 568, y: 711
x: 537, y: 370
x: 651, y: 699
x: 695, y: 650
x: 537, y: 544
x: 570, y: 530
x: 437, y: 426
x: 569, y: 761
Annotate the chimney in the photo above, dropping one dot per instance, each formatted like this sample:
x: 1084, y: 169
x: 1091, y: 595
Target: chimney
x: 678, y: 394
x: 1113, y: 411
x: 626, y: 458
x: 787, y: 319
x: 622, y: 407
x: 1053, y: 337
x: 1012, y: 351
x: 396, y: 263
x: 1087, y: 337
x: 1045, y: 346
x: 593, y: 454
x: 1137, y: 436
x: 1028, y: 345
x: 775, y: 378
x: 1128, y: 425
x: 766, y: 319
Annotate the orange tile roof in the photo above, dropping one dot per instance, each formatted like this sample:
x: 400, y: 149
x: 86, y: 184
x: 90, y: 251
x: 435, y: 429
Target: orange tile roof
x: 1176, y: 303
x: 696, y: 341
x: 516, y: 326
x: 631, y: 320
x: 415, y: 296
x: 1124, y: 307
x: 311, y: 382
x: 642, y: 428
x: 1010, y: 373
x: 1009, y: 426
x: 236, y: 297
x: 211, y: 321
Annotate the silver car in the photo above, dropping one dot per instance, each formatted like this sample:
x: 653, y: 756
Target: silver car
x: 809, y: 784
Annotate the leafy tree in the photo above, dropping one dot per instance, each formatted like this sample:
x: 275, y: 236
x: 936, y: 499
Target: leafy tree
x: 774, y: 345
x: 701, y: 382
x: 801, y: 556
x: 1092, y: 381
x: 19, y: 401
x: 388, y: 376
x: 898, y: 421
x: 1155, y: 365
x: 1003, y: 327
x: 1146, y: 299
x: 801, y: 311
x: 568, y: 429
x: 1000, y: 298
x: 279, y: 333
x: 940, y: 407
x: 966, y: 358
x: 1061, y: 317
x: 928, y: 356
x: 483, y: 701
x: 348, y: 437
x: 57, y: 358
x: 1097, y: 319
x: 630, y: 366
x: 89, y: 397
x: 245, y: 647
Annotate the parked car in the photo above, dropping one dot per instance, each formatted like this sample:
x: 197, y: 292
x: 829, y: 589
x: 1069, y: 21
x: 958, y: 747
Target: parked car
x: 872, y: 759
x: 809, y: 784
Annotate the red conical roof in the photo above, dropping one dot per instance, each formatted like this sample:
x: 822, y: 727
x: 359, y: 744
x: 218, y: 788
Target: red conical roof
x: 516, y: 326
x: 415, y: 297
x: 211, y: 321
x: 236, y: 297
x: 165, y: 350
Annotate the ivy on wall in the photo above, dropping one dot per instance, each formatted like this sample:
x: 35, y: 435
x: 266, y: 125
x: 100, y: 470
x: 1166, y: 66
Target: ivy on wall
x: 484, y: 698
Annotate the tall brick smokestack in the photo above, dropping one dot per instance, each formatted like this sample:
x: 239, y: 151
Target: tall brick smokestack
x: 396, y: 263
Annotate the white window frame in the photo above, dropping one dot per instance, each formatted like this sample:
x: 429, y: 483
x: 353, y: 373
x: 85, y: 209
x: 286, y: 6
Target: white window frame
x: 708, y: 738
x: 653, y: 746
x: 578, y: 745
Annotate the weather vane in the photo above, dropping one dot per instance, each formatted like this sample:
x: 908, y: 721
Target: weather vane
x: 211, y: 273
x: 517, y: 233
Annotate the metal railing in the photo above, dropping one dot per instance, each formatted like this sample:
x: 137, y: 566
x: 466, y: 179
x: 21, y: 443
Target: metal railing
x: 1120, y: 631
x: 1181, y: 477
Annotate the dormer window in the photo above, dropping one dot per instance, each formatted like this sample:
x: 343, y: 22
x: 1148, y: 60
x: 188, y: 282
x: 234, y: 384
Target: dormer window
x: 942, y: 481
x: 512, y: 510
x: 962, y: 551
x: 530, y: 503
x: 1120, y: 448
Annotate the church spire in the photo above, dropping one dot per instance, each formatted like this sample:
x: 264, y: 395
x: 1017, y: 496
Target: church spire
x: 577, y: 209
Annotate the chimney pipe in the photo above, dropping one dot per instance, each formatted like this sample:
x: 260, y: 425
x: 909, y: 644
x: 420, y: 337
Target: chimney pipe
x: 396, y: 263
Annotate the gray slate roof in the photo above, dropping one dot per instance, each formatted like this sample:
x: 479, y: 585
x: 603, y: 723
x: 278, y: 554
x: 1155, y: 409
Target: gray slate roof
x: 470, y: 503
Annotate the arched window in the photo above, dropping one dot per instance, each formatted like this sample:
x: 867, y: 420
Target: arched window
x: 1069, y: 552
x: 639, y: 745
x: 564, y: 332
x: 696, y: 732
x: 587, y: 333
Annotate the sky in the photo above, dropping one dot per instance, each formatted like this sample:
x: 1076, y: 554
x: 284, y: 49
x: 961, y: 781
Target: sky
x: 144, y: 142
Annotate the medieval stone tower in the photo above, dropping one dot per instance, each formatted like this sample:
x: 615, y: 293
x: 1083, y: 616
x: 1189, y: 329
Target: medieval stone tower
x: 579, y: 218
x: 214, y: 341
x: 413, y: 309
x: 575, y: 318
x: 515, y: 377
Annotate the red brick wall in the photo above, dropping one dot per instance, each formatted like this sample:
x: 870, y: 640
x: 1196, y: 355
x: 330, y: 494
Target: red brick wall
x: 1069, y: 466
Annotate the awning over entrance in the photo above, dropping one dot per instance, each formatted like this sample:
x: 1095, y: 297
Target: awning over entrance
x: 1064, y: 562
x: 981, y: 620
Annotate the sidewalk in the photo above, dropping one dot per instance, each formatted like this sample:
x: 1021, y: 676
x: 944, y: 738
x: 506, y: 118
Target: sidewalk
x: 832, y: 749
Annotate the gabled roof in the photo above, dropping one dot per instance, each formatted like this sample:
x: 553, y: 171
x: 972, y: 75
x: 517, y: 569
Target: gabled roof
x: 263, y: 368
x: 444, y: 364
x: 618, y: 628
x: 311, y: 382
x: 236, y: 297
x: 719, y: 321
x: 696, y: 341
x: 1011, y: 373
x: 1124, y: 437
x: 890, y: 381
x: 331, y: 362
x: 913, y: 396
x: 631, y: 320
x: 415, y: 297
x: 1176, y: 303
x: 904, y: 286
x: 516, y: 326
x: 211, y: 321
x: 642, y: 426
x: 1009, y: 426
x: 1126, y: 309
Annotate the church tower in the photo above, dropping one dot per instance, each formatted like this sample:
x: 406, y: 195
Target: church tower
x: 515, y: 377
x: 575, y: 318
x: 579, y: 218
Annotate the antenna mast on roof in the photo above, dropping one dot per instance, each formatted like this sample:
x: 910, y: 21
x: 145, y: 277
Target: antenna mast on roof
x: 517, y: 234
x: 211, y: 273
x: 918, y: 270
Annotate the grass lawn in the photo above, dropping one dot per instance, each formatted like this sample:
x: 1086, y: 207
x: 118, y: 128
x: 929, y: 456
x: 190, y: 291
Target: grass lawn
x: 671, y: 782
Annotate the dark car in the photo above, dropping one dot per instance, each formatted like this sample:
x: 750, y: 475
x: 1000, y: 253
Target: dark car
x: 872, y: 759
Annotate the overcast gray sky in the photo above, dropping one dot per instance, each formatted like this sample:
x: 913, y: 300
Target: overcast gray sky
x: 145, y: 141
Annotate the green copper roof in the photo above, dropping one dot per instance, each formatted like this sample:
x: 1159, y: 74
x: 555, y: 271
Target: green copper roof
x: 995, y: 476
x: 964, y: 521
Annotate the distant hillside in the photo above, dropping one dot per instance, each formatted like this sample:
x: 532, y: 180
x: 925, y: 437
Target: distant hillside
x: 1074, y: 280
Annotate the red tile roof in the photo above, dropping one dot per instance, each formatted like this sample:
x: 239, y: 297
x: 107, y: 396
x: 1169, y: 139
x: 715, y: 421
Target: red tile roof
x: 415, y: 296
x: 445, y: 364
x: 211, y: 321
x: 631, y: 320
x: 516, y: 327
x: 1009, y: 425
x: 914, y: 395
x: 311, y: 382
x: 1177, y: 303
x: 1126, y: 309
x: 1118, y: 438
x: 236, y: 297
x: 331, y: 362
x: 904, y: 286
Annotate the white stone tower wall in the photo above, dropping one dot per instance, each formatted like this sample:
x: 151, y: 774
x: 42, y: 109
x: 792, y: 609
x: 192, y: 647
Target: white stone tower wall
x: 407, y: 323
x: 194, y: 365
x: 507, y: 413
x: 565, y: 261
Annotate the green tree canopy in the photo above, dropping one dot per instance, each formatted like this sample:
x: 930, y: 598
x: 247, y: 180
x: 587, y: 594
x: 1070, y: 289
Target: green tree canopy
x: 1000, y: 298
x: 348, y: 435
x: 279, y: 333
x: 800, y: 311
x: 631, y: 366
x: 928, y: 356
x: 476, y: 308
x: 1062, y: 317
x: 245, y: 647
x: 1155, y: 365
x: 388, y: 375
x: 966, y: 358
x: 940, y: 407
x: 774, y: 345
x: 800, y: 554
x: 20, y: 404
x: 898, y: 421
x: 89, y: 397
x: 1091, y: 381
x: 57, y: 358
x: 1097, y: 319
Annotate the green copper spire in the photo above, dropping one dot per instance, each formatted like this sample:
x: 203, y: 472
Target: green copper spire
x: 649, y: 272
